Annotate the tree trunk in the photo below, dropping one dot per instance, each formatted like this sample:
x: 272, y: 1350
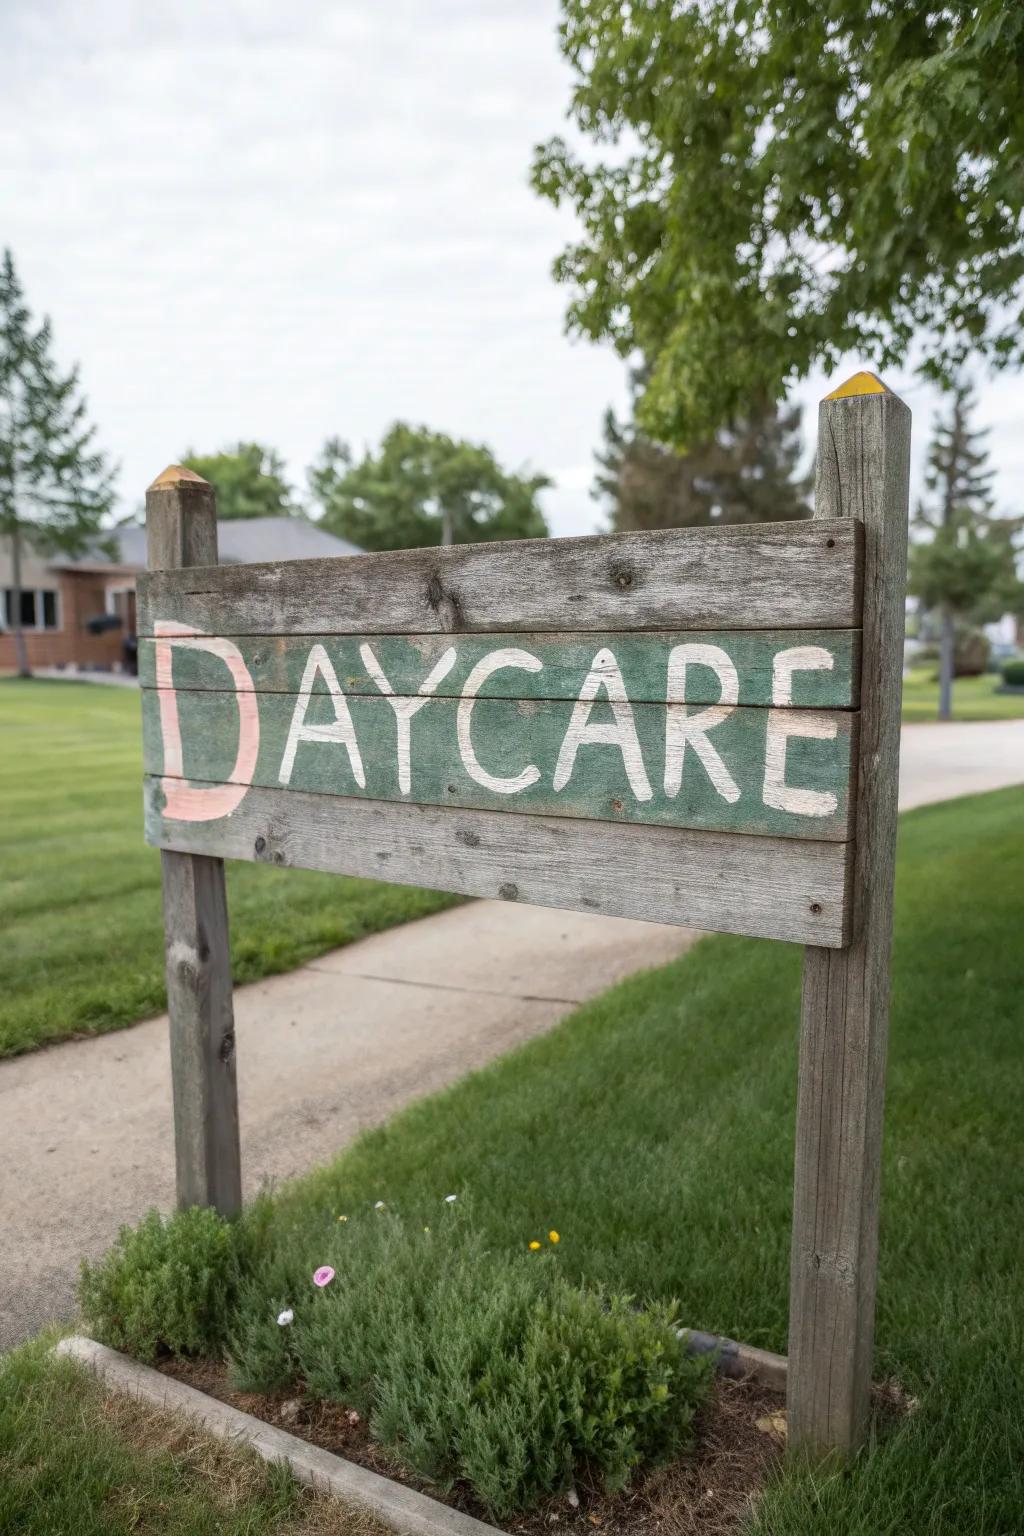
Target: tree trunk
x: 20, y: 648
x: 447, y: 531
x: 947, y: 661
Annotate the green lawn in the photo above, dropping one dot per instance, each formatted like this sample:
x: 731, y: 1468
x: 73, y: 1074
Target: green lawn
x: 974, y: 698
x: 74, y: 1462
x: 80, y: 892
x: 654, y: 1131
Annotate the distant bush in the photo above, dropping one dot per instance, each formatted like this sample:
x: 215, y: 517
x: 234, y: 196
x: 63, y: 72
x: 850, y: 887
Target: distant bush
x: 165, y: 1286
x: 474, y: 1367
x: 971, y: 653
x: 1013, y: 674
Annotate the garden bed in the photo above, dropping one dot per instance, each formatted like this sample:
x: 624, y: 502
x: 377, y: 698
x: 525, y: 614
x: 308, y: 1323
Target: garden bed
x: 707, y: 1491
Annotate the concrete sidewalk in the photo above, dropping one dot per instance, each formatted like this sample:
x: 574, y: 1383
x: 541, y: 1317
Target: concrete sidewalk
x: 85, y: 1128
x: 943, y: 761
x: 323, y: 1052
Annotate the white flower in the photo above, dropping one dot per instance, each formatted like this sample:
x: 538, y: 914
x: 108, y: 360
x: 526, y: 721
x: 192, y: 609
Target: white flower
x: 379, y: 1206
x: 285, y: 1317
x: 449, y: 1199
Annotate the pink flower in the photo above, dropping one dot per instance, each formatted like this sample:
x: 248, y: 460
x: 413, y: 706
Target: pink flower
x: 323, y: 1276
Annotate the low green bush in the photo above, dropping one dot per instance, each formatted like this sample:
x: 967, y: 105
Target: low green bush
x: 166, y: 1285
x: 473, y: 1367
x: 1013, y: 674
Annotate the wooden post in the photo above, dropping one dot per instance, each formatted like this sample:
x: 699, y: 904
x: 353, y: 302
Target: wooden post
x: 181, y: 527
x: 863, y: 472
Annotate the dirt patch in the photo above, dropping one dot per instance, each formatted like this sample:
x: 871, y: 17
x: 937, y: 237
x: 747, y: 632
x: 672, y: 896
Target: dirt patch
x: 706, y: 1493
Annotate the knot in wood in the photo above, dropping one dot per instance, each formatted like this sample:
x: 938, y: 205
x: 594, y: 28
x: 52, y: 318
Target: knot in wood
x: 444, y: 602
x: 623, y: 574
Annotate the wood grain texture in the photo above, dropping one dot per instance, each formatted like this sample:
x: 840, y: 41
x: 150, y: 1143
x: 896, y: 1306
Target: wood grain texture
x: 762, y: 576
x: 509, y: 736
x: 863, y: 471
x: 779, y: 888
x: 181, y: 525
x: 276, y: 663
x: 202, y: 1033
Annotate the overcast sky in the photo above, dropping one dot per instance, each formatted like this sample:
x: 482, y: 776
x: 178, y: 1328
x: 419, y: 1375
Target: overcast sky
x: 284, y: 221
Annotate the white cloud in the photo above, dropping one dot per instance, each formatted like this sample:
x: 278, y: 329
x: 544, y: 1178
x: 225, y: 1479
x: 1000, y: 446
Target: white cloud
x: 290, y: 221
x: 287, y: 224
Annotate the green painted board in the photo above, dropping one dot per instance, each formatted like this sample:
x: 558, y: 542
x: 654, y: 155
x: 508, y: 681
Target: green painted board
x: 276, y: 664
x: 779, y: 771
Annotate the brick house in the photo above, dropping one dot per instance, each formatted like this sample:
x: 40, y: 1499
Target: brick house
x: 62, y: 599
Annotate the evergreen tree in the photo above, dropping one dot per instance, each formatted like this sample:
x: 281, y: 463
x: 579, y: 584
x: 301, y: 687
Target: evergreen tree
x: 249, y: 479
x: 55, y: 487
x: 966, y: 564
x: 746, y: 473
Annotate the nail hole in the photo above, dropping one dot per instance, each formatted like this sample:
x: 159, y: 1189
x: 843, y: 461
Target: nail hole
x: 816, y: 908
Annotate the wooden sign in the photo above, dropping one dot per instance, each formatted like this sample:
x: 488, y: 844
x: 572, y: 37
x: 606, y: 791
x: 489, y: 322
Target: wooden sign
x: 647, y: 723
x: 696, y: 726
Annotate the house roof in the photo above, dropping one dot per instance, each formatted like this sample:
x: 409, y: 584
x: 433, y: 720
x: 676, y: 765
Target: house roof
x: 243, y: 540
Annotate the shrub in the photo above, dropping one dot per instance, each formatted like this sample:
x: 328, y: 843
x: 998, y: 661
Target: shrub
x: 1013, y: 674
x: 165, y: 1285
x: 473, y: 1367
x: 971, y: 652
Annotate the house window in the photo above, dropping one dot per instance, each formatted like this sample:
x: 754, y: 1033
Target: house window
x: 40, y: 608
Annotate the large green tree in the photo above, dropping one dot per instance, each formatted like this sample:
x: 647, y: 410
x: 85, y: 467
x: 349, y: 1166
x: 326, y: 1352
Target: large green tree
x: 747, y: 473
x: 55, y: 486
x: 965, y: 565
x: 422, y: 487
x: 776, y: 184
x: 249, y: 479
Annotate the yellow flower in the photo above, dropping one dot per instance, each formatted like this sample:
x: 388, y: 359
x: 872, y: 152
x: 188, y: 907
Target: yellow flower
x: 343, y: 1218
x: 553, y: 1237
x: 534, y: 1247
x: 426, y: 1229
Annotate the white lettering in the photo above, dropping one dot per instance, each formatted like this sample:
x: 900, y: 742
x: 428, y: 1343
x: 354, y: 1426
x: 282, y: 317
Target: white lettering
x: 682, y: 728
x: 405, y: 708
x: 341, y: 728
x: 604, y: 673
x: 782, y: 724
x: 494, y: 661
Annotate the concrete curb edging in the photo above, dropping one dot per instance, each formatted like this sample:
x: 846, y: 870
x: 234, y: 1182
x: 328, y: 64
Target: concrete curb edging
x: 401, y: 1508
x: 740, y: 1361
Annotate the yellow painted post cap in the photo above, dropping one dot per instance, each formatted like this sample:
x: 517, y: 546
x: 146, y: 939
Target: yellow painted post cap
x: 177, y: 474
x: 860, y: 384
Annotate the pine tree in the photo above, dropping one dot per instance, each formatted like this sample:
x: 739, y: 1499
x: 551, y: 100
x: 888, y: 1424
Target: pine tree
x: 746, y: 473
x: 55, y: 488
x: 967, y: 558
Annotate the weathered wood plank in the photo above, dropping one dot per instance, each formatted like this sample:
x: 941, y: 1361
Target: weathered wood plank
x: 863, y: 472
x: 778, y: 888
x: 516, y: 756
x: 762, y: 576
x: 181, y: 525
x: 207, y: 1154
x: 276, y: 664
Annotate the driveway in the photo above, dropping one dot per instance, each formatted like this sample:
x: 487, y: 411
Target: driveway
x: 336, y: 1047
